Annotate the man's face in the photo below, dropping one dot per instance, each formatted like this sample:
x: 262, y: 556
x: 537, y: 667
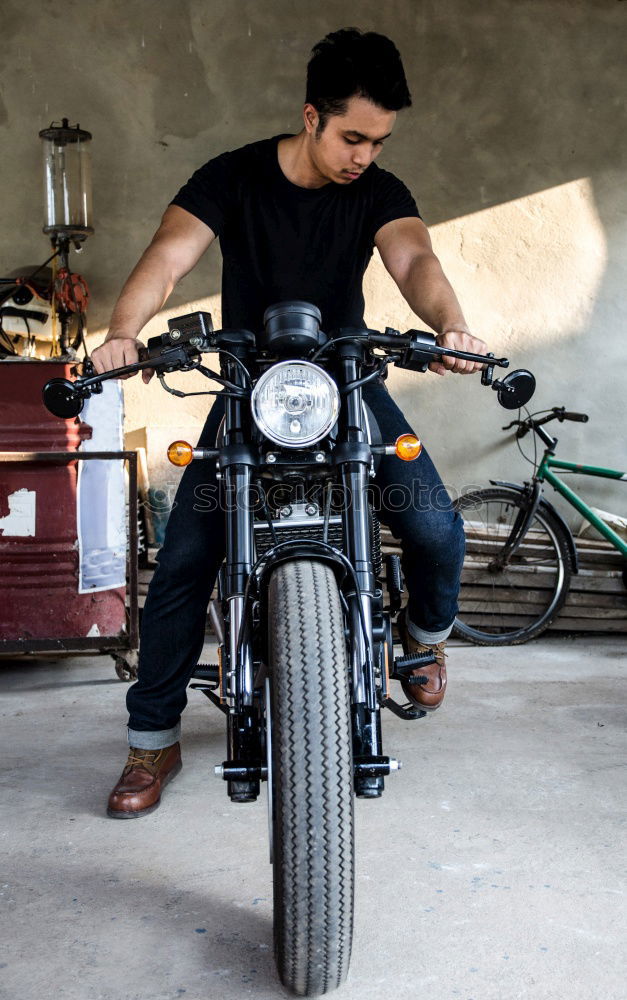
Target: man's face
x: 348, y: 143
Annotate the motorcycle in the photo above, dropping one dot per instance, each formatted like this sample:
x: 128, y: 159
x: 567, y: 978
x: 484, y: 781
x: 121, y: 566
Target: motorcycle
x: 303, y: 614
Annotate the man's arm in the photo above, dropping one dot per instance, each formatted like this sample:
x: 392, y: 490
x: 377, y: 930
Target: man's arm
x: 175, y: 249
x: 406, y: 251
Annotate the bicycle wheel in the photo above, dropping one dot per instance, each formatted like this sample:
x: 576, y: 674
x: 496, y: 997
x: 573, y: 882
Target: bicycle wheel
x: 504, y: 601
x: 312, y: 779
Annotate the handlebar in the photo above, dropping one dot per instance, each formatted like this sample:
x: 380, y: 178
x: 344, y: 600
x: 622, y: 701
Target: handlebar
x: 583, y: 418
x: 557, y: 413
x: 419, y: 342
x: 174, y: 351
x: 181, y: 347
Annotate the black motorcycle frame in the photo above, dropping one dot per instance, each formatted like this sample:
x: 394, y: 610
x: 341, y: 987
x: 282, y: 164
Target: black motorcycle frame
x: 347, y: 462
x: 246, y: 462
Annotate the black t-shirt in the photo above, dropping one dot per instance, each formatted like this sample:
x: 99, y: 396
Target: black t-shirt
x: 280, y: 241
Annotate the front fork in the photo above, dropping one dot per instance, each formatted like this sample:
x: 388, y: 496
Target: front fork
x: 355, y: 460
x: 237, y: 461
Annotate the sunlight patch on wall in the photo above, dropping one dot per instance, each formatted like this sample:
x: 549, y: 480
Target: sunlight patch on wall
x: 527, y: 271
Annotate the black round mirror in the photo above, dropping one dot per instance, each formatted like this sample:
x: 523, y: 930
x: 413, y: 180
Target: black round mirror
x: 61, y: 398
x: 515, y: 389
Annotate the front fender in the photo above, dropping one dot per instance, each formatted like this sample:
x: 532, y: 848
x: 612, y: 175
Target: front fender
x: 288, y: 552
x: 548, y: 506
x: 300, y: 549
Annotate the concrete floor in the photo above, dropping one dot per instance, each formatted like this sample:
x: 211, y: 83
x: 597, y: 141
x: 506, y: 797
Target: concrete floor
x: 491, y: 868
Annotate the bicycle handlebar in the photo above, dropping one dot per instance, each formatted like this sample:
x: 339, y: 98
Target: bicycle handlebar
x: 581, y: 417
x: 557, y: 413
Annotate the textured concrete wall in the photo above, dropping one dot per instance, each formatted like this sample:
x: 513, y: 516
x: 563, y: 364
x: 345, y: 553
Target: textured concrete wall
x: 515, y: 149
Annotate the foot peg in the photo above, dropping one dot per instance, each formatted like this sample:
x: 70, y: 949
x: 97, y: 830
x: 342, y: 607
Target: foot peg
x: 207, y: 672
x: 403, y: 671
x: 405, y: 665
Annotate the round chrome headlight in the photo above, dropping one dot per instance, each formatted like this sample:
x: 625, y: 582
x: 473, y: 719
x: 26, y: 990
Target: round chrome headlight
x: 295, y: 403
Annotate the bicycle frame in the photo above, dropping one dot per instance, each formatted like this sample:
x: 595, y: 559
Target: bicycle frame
x: 544, y: 474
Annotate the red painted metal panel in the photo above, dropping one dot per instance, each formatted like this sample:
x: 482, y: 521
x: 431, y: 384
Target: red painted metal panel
x: 39, y: 571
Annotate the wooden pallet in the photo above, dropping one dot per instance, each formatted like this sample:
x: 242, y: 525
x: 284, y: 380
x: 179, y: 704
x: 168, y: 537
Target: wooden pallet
x: 597, y: 601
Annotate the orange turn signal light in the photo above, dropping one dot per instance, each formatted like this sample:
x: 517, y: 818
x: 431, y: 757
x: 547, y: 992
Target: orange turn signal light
x: 408, y: 447
x: 180, y: 453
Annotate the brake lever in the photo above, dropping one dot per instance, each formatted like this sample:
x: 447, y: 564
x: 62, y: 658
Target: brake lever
x: 423, y: 350
x: 175, y: 359
x: 487, y: 373
x: 522, y: 427
x: 65, y: 399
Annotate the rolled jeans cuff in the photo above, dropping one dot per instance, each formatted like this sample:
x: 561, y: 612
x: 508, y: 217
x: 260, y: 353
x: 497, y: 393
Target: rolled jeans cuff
x: 428, y: 638
x: 151, y: 740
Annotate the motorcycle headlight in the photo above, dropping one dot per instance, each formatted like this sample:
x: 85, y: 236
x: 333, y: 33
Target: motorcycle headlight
x: 295, y: 403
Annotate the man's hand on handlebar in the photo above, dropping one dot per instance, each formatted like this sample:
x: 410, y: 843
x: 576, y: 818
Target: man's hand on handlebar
x: 117, y: 352
x: 458, y: 340
x: 181, y: 347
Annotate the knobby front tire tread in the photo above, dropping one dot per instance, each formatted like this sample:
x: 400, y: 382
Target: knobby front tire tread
x: 543, y: 521
x: 312, y: 779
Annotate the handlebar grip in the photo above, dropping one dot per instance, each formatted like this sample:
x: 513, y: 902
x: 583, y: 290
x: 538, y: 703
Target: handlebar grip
x: 582, y: 418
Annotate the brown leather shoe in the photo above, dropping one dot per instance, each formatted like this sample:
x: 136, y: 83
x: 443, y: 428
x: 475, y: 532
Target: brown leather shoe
x: 144, y: 776
x: 427, y: 696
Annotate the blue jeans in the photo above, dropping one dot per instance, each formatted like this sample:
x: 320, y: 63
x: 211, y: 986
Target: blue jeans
x: 410, y: 499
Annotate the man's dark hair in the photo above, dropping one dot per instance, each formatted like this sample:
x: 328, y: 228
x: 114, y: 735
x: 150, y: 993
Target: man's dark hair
x: 351, y: 63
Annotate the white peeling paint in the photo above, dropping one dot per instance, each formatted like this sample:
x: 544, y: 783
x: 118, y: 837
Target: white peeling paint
x: 93, y: 632
x: 20, y: 521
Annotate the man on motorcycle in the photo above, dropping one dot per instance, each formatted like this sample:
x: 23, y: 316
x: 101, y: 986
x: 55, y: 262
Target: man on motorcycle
x: 297, y: 217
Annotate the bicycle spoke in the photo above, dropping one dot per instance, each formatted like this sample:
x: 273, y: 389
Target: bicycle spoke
x: 508, y: 596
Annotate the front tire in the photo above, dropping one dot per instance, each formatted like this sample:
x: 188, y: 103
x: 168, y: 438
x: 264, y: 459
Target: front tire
x: 312, y: 778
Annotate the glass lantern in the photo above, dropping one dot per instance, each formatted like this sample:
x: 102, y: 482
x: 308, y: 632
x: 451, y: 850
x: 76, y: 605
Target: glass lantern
x: 67, y: 182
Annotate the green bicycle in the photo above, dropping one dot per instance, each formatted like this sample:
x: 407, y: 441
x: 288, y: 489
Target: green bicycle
x: 520, y: 551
